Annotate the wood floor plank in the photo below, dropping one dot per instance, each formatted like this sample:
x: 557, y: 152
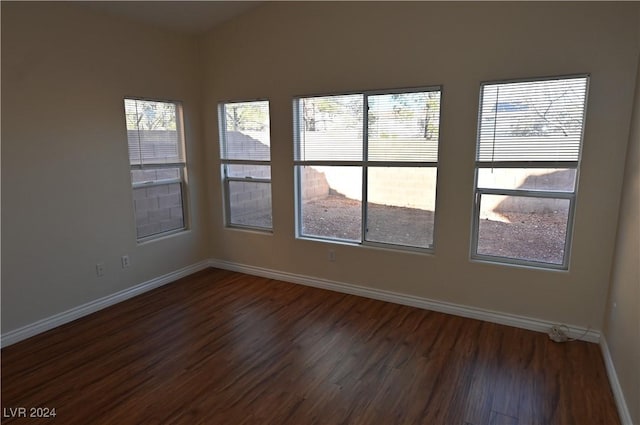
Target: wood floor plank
x: 220, y: 347
x: 500, y: 419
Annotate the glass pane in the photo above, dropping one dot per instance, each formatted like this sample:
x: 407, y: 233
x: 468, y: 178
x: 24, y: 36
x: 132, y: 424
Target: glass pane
x: 404, y: 126
x: 532, y: 120
x: 331, y: 202
x: 152, y: 132
x: 248, y: 171
x: 523, y: 228
x: 158, y: 209
x: 250, y: 204
x: 246, y: 131
x: 329, y: 128
x: 548, y: 179
x: 400, y: 205
x: 154, y: 175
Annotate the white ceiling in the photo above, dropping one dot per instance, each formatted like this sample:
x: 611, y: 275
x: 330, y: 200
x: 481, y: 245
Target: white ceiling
x: 183, y: 16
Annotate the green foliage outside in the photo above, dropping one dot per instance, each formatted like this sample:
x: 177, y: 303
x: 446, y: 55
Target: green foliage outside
x: 246, y: 116
x: 149, y: 115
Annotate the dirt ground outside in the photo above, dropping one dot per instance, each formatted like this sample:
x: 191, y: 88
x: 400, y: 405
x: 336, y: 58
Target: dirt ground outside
x: 526, y: 236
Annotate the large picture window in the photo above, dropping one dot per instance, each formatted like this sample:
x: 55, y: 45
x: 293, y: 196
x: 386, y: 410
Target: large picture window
x: 245, y: 152
x: 157, y: 160
x: 527, y: 162
x: 366, y: 167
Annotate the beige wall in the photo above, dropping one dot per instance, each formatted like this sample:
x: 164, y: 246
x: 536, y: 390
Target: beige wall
x: 67, y: 203
x: 281, y: 50
x: 66, y: 197
x: 622, y: 323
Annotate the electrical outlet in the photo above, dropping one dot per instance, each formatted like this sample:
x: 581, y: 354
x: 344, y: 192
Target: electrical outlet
x: 100, y: 269
x: 125, y: 261
x: 331, y: 255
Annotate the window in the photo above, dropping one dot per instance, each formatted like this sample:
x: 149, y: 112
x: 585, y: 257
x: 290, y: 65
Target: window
x: 156, y: 157
x: 527, y: 161
x: 246, y: 164
x: 366, y: 167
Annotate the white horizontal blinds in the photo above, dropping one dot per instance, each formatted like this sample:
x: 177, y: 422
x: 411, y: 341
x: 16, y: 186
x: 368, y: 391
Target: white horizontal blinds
x: 404, y: 127
x: 159, y: 175
x: 532, y: 120
x: 245, y: 131
x: 329, y: 128
x: 153, y: 133
x: 248, y: 170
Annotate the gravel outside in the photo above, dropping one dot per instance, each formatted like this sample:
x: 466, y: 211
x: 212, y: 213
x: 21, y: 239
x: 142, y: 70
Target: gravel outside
x: 527, y: 236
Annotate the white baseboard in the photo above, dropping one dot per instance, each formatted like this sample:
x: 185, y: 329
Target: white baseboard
x: 56, y: 320
x: 533, y: 324
x: 618, y: 395
x: 409, y: 300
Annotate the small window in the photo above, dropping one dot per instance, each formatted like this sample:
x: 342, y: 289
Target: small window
x: 157, y: 160
x: 527, y: 162
x: 366, y: 167
x: 245, y: 152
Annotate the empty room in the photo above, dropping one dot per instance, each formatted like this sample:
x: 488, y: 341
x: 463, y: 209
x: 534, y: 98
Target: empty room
x: 320, y: 212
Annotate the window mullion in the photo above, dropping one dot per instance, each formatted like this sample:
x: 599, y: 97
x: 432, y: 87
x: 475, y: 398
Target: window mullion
x: 399, y: 164
x: 153, y: 183
x: 527, y: 164
x: 527, y: 193
x: 245, y: 162
x: 160, y: 165
x: 328, y: 163
x: 248, y: 179
x: 365, y: 169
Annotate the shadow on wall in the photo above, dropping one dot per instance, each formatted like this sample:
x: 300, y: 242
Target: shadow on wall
x: 415, y: 187
x: 407, y: 187
x: 247, y: 145
x: 531, y: 229
x: 561, y: 180
x: 527, y: 228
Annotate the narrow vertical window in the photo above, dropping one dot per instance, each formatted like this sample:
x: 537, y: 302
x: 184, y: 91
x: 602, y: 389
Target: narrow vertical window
x: 245, y: 154
x: 527, y: 162
x: 158, y: 168
x: 366, y: 167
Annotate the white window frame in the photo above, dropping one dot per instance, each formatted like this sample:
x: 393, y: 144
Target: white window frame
x: 551, y: 194
x: 365, y: 164
x: 226, y: 180
x: 181, y: 166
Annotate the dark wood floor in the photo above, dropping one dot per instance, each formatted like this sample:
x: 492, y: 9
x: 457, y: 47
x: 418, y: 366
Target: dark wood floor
x: 225, y: 348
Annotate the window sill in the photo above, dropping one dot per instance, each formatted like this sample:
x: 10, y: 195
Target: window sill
x: 249, y: 229
x: 161, y: 236
x: 371, y: 245
x: 530, y: 265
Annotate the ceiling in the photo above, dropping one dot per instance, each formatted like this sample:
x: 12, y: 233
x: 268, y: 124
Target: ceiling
x: 183, y: 16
